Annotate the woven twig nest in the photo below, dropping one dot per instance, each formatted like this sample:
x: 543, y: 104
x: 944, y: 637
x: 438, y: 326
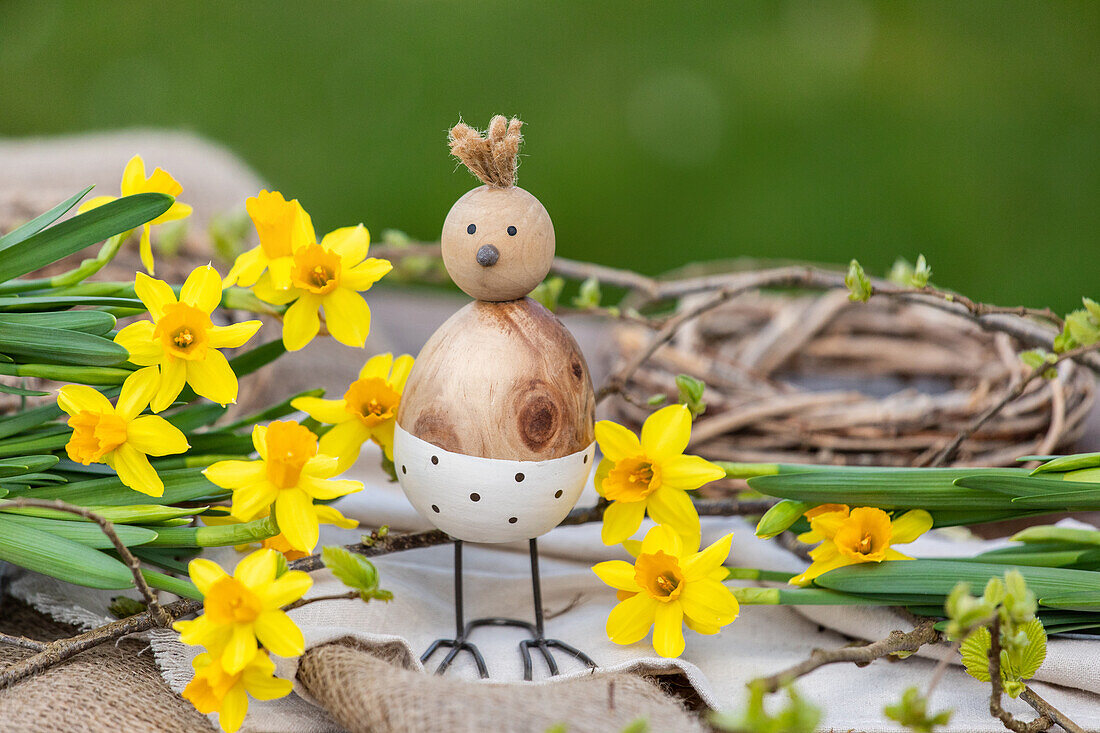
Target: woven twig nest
x: 818, y: 379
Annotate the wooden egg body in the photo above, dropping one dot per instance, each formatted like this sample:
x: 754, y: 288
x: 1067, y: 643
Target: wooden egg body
x: 494, y: 438
x: 498, y: 243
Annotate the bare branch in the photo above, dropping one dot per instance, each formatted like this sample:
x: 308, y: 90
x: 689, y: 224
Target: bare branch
x: 897, y: 641
x: 108, y: 527
x: 22, y: 641
x: 1045, y: 709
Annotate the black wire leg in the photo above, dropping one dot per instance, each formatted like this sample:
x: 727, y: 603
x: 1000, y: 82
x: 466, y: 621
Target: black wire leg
x: 539, y: 640
x: 462, y: 631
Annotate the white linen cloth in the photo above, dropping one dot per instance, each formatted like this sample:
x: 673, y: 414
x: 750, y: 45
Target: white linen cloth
x: 763, y: 640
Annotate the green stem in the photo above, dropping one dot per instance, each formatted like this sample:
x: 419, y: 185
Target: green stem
x: 78, y: 274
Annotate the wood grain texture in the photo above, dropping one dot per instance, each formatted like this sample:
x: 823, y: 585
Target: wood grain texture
x: 510, y: 221
x: 501, y: 380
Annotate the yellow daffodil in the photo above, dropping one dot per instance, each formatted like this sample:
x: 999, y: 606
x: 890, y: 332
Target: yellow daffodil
x: 283, y: 226
x: 119, y: 435
x: 289, y: 474
x: 134, y: 181
x: 368, y: 410
x: 650, y: 475
x: 214, y: 690
x: 328, y: 276
x: 325, y: 515
x: 242, y: 608
x: 667, y: 587
x: 181, y: 341
x: 862, y: 535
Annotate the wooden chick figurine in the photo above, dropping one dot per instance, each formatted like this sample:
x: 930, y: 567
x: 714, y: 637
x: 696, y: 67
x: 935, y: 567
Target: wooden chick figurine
x: 494, y: 437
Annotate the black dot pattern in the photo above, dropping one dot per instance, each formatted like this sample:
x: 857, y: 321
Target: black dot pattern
x: 557, y: 494
x: 475, y: 496
x: 435, y: 460
x: 435, y: 509
x: 586, y: 458
x: 513, y: 520
x: 511, y: 231
x: 403, y: 469
x: 519, y: 477
x: 471, y: 229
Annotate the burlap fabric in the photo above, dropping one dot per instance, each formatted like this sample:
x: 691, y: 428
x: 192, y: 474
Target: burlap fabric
x: 109, y: 688
x: 377, y: 689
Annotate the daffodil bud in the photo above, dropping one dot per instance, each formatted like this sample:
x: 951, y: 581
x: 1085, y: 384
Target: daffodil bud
x: 780, y: 517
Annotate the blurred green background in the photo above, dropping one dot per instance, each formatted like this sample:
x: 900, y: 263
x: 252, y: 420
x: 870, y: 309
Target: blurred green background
x: 658, y: 133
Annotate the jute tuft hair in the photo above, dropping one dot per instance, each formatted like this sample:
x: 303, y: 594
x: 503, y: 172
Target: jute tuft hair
x: 492, y: 157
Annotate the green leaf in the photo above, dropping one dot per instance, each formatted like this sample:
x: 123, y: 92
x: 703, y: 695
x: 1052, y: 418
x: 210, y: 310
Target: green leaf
x: 40, y: 222
x: 589, y: 294
x: 97, y: 375
x: 86, y: 533
x: 257, y: 357
x: 548, y: 292
x: 180, y: 586
x: 975, y: 653
x: 44, y: 302
x: 20, y: 421
x: 1069, y: 463
x: 73, y: 235
x: 354, y: 571
x: 60, y: 558
x: 25, y: 464
x: 134, y: 514
x: 1051, y: 533
x: 180, y: 485
x: 1035, y: 653
x: 21, y: 392
x: 94, y: 322
x: 59, y: 346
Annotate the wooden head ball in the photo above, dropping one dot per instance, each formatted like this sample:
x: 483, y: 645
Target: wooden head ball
x: 498, y: 243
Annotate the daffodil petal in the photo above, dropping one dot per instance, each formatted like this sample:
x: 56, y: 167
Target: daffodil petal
x: 347, y: 316
x: 235, y: 474
x: 383, y: 436
x: 673, y: 507
x: 618, y: 574
x: 326, y: 489
x: 233, y: 709
x: 137, y: 391
x: 700, y: 628
x: 204, y: 573
x: 620, y: 520
x: 133, y: 176
x: 327, y: 514
x: 213, y: 378
x: 259, y: 440
x: 287, y: 588
x: 616, y: 442
x: 202, y: 289
x: 701, y: 564
x: 326, y: 411
x: 665, y: 433
x: 94, y: 203
x: 75, y: 398
x: 377, y: 367
x: 630, y: 620
x: 173, y: 375
x: 668, y: 630
x: 240, y: 649
x: 230, y: 337
x: 350, y: 243
x: 892, y: 554
x: 155, y: 294
x: 296, y: 518
x: 909, y: 526
x: 828, y: 558
x: 301, y: 323
x: 828, y: 524
x: 256, y: 570
x: 321, y: 465
x: 402, y: 365
x: 266, y: 290
x: 362, y: 276
x: 137, y: 339
x: 263, y: 686
x: 344, y: 441
x: 689, y: 472
x: 279, y: 634
x: 279, y: 269
x: 247, y: 268
x: 709, y: 602
x: 251, y: 500
x: 135, y: 471
x: 664, y: 539
x: 145, y: 250
x: 155, y: 436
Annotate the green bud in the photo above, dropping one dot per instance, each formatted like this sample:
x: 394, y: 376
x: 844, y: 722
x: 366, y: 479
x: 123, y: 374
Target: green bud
x: 780, y: 517
x: 691, y: 394
x: 921, y: 273
x: 548, y: 292
x: 589, y: 295
x: 656, y: 400
x: 859, y: 285
x: 752, y: 596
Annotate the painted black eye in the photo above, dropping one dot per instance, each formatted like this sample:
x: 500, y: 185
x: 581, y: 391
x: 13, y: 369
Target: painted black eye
x: 471, y: 229
x: 511, y: 231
